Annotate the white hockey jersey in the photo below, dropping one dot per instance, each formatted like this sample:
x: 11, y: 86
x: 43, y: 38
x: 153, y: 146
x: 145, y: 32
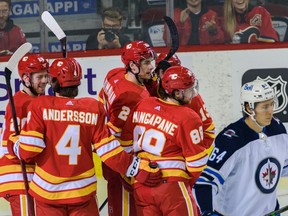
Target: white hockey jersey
x: 243, y: 170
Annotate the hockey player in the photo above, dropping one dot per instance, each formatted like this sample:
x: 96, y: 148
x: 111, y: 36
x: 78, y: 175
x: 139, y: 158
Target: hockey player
x: 244, y: 168
x: 171, y: 134
x: 33, y: 72
x: 197, y: 103
x: 122, y: 89
x: 59, y: 135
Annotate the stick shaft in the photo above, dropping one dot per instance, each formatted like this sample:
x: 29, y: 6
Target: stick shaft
x: 17, y: 132
x: 103, y: 204
x: 281, y: 210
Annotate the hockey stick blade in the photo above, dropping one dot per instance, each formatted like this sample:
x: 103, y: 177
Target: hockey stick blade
x: 277, y: 212
x: 174, y: 37
x: 15, y: 58
x: 52, y: 24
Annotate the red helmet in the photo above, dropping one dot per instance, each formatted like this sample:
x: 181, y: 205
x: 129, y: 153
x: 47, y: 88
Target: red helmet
x: 136, y: 51
x: 67, y: 71
x: 177, y: 78
x: 31, y: 64
x: 174, y: 60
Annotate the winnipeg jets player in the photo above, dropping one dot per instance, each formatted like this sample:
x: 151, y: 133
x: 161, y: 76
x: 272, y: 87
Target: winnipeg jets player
x: 248, y: 159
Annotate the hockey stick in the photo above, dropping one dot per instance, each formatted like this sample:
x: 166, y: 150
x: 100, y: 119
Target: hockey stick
x: 13, y: 61
x: 52, y: 24
x: 174, y: 45
x: 174, y: 37
x: 103, y: 204
x: 274, y: 213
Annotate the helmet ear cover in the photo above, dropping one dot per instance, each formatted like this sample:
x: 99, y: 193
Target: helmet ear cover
x: 67, y: 71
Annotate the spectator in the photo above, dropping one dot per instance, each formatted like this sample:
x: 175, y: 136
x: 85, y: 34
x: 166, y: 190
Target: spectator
x: 244, y: 23
x: 33, y: 72
x: 171, y: 134
x: 110, y: 35
x: 11, y: 36
x: 60, y: 134
x: 249, y: 157
x: 197, y: 24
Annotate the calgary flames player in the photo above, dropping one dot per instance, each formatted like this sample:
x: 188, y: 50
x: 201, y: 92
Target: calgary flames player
x: 122, y: 90
x: 197, y: 103
x: 33, y: 72
x: 171, y: 134
x: 60, y: 134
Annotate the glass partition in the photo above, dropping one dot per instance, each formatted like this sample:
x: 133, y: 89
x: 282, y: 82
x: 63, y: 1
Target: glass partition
x: 142, y: 19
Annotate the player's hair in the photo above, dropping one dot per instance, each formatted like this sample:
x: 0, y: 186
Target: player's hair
x: 70, y: 92
x: 114, y: 13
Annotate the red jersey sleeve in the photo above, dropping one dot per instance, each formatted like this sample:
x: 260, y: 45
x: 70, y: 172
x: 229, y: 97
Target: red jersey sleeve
x: 197, y: 104
x: 190, y: 136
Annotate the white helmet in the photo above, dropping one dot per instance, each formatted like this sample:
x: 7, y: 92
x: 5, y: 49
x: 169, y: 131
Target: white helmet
x: 255, y: 91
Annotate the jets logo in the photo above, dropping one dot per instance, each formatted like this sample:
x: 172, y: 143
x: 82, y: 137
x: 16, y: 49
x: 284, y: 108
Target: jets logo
x: 279, y: 87
x: 267, y: 175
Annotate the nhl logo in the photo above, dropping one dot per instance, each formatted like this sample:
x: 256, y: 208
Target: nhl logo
x: 277, y: 78
x: 279, y: 86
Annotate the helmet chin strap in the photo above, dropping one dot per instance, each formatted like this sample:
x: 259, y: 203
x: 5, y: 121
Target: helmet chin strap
x: 137, y: 75
x: 253, y: 119
x: 32, y: 90
x: 180, y: 100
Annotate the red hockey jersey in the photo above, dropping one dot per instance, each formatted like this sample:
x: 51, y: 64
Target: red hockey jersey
x: 60, y: 134
x: 169, y: 134
x: 122, y: 98
x: 185, y: 28
x: 198, y: 105
x: 10, y: 169
x: 112, y: 77
x: 254, y: 26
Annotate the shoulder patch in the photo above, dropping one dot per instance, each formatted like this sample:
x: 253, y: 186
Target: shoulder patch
x: 230, y: 133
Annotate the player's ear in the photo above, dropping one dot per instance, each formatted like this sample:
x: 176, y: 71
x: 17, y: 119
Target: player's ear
x: 248, y: 108
x: 26, y: 79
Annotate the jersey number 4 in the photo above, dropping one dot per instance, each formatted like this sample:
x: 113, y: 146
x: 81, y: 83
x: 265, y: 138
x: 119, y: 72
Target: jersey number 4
x: 68, y: 145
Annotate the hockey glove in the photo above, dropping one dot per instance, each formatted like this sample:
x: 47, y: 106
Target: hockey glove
x: 13, y: 145
x: 145, y: 172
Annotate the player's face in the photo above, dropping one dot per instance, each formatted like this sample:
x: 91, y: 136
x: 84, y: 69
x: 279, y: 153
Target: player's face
x: 146, y: 68
x: 39, y: 81
x: 264, y: 112
x: 240, y: 6
x: 188, y: 95
x: 4, y: 13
